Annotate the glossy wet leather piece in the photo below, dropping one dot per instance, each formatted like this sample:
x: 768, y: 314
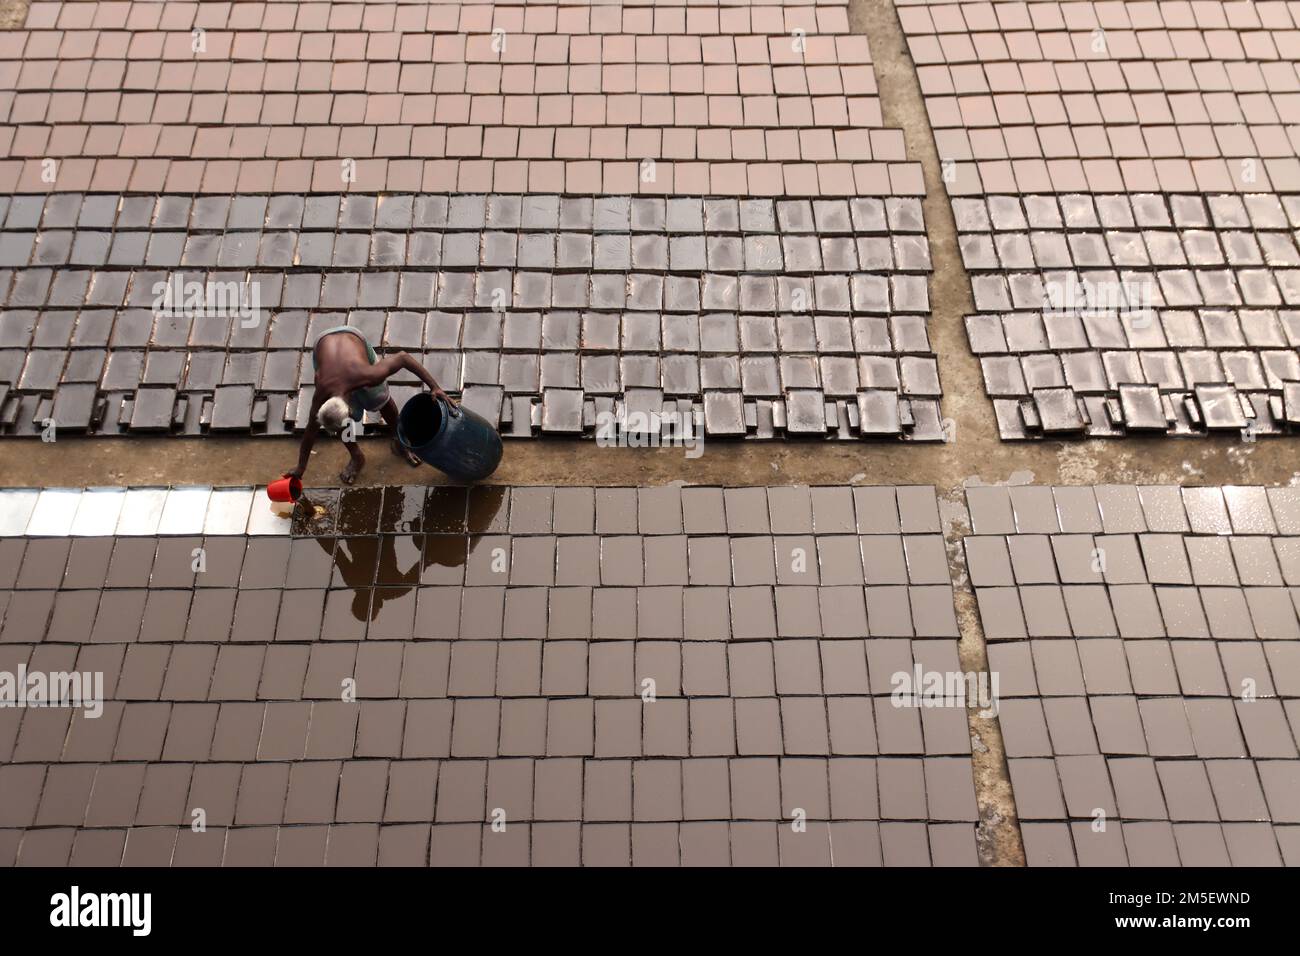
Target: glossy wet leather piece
x: 763, y: 316
x: 655, y: 676
x: 1131, y: 249
x: 1148, y: 649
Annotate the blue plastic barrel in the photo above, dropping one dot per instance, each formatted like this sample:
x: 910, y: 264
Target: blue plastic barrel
x: 457, y: 441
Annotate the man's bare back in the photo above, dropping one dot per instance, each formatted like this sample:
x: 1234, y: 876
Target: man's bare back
x: 342, y: 364
x: 347, y: 368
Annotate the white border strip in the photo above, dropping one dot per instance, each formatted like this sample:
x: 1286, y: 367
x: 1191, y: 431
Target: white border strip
x: 126, y: 512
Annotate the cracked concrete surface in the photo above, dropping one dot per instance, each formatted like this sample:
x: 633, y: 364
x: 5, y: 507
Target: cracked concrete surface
x: 998, y: 835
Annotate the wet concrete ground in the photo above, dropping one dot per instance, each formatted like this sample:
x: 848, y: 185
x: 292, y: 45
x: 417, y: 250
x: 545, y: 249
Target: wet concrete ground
x: 235, y: 461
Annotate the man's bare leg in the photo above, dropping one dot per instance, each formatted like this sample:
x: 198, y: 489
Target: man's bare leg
x: 349, y: 474
x: 389, y: 413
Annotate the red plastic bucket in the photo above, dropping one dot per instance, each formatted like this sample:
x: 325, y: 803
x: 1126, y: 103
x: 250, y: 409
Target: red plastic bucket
x: 284, y: 489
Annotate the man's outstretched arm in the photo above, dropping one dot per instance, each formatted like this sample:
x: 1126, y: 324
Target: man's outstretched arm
x: 387, y: 367
x: 309, y: 436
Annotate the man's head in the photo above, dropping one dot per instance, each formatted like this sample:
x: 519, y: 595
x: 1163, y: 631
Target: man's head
x: 334, y: 415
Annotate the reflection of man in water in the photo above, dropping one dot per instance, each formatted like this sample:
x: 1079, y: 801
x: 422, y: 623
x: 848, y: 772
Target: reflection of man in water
x: 369, y: 563
x: 355, y: 559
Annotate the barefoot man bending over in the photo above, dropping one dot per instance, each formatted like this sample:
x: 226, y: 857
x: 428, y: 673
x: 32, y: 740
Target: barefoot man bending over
x: 350, y: 381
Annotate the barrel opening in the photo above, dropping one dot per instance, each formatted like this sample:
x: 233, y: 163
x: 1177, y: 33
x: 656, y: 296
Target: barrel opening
x: 421, y: 419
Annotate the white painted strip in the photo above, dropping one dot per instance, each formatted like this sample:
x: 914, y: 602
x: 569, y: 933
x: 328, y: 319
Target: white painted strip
x: 98, y: 512
x: 262, y: 520
x: 228, y: 511
x: 54, y: 511
x: 185, y: 510
x: 141, y: 511
x: 16, y: 506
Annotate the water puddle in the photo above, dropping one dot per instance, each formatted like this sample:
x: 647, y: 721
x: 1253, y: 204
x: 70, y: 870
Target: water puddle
x: 383, y: 543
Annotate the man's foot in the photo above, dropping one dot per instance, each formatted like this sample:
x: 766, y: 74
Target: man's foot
x: 401, y: 451
x: 349, y: 474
